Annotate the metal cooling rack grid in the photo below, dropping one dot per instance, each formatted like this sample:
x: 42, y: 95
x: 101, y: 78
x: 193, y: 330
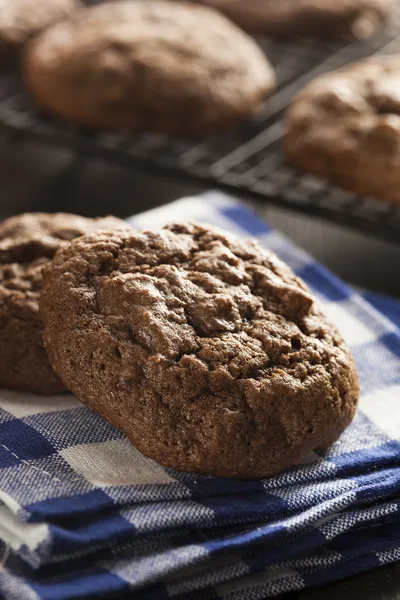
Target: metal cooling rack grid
x: 247, y: 158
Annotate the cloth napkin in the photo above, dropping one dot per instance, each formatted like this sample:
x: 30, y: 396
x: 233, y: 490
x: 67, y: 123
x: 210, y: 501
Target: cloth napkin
x: 84, y: 515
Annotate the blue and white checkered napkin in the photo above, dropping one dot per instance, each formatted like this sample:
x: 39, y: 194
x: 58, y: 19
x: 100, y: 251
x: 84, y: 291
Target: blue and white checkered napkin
x: 83, y: 514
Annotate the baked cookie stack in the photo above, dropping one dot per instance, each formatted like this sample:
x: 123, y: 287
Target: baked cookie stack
x: 204, y: 349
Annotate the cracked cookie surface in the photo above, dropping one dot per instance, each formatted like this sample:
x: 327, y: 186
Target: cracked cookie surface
x: 205, y: 349
x: 162, y: 66
x: 345, y: 127
x: 28, y: 242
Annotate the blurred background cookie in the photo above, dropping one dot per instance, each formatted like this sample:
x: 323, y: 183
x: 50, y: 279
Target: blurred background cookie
x: 28, y: 242
x: 21, y: 19
x: 162, y: 66
x: 321, y: 18
x: 345, y: 127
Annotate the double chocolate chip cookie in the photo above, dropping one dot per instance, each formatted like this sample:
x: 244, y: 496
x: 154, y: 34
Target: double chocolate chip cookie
x: 21, y: 19
x: 28, y: 242
x: 158, y: 66
x: 206, y: 350
x: 345, y: 127
x: 302, y: 18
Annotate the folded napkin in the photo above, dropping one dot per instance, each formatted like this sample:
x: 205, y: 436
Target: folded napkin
x: 83, y: 514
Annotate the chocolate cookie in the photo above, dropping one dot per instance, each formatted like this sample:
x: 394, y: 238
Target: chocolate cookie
x: 27, y: 243
x: 345, y: 127
x: 162, y: 66
x: 204, y: 349
x: 21, y: 19
x: 302, y: 18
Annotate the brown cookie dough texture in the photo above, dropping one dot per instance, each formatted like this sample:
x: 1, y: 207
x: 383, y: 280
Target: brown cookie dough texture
x: 345, y: 127
x: 204, y: 349
x: 21, y: 19
x: 301, y: 18
x: 160, y: 66
x: 27, y: 243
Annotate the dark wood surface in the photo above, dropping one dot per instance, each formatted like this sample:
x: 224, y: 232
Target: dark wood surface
x: 38, y: 178
x: 379, y: 584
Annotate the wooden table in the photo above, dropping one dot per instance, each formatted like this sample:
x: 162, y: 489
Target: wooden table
x: 380, y: 584
x: 33, y: 177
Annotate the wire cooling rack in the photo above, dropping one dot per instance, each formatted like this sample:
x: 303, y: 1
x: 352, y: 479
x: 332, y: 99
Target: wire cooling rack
x: 247, y: 158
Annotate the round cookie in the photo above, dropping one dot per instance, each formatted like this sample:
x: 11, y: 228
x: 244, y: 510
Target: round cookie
x: 345, y: 127
x: 158, y: 66
x: 27, y: 243
x: 21, y: 19
x: 204, y: 349
x: 302, y: 18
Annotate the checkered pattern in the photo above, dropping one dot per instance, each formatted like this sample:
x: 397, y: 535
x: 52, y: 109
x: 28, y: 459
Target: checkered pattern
x: 83, y: 514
